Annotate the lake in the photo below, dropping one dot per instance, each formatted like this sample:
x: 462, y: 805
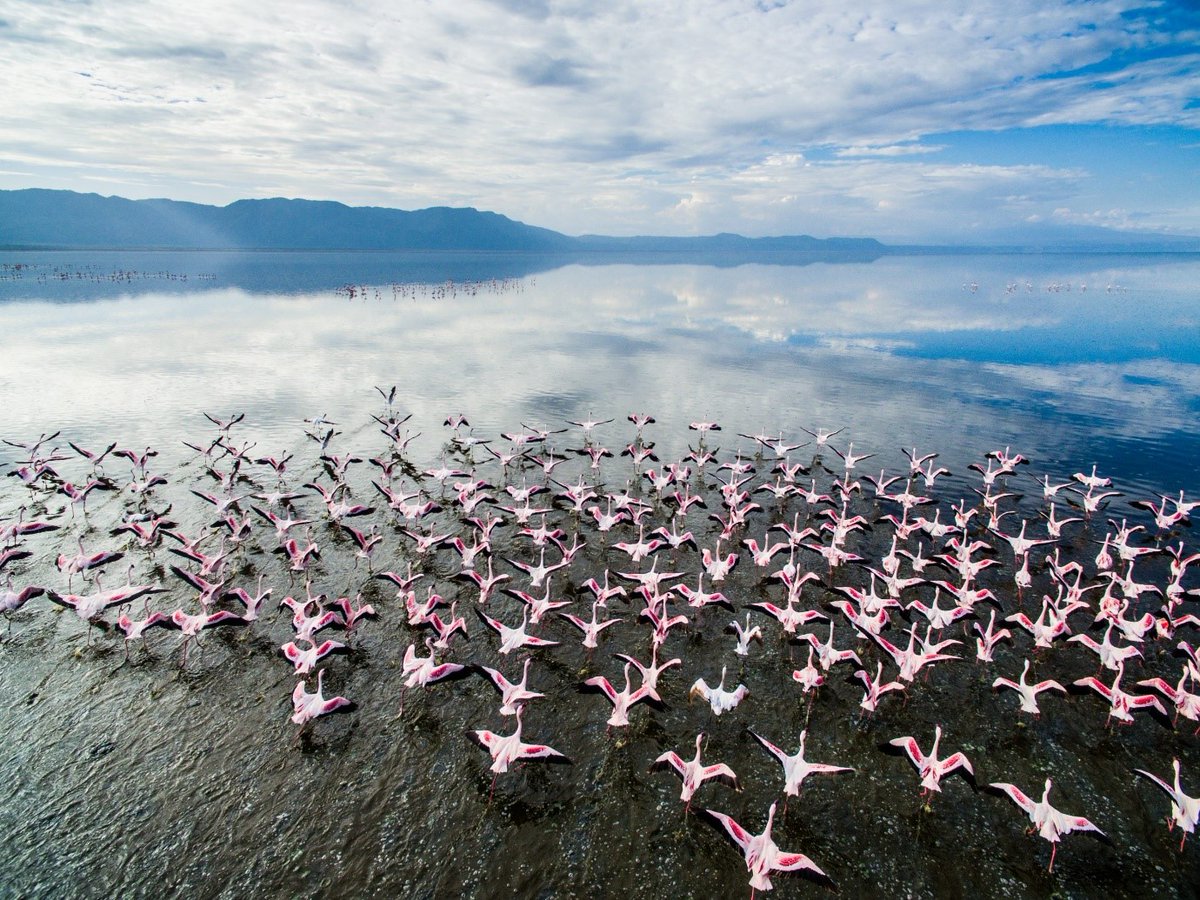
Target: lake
x: 130, y: 774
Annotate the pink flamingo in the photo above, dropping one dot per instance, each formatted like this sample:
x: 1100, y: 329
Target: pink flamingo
x: 513, y: 695
x: 1049, y: 822
x: 621, y: 701
x: 1028, y: 692
x: 795, y: 767
x: 308, y: 706
x: 507, y: 749
x: 694, y: 773
x: 762, y: 855
x: 929, y: 767
x: 1185, y: 810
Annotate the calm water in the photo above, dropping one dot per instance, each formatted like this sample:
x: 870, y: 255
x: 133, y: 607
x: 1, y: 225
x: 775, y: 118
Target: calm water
x: 115, y: 773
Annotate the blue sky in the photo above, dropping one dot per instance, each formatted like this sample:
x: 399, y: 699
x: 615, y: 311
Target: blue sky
x: 907, y: 120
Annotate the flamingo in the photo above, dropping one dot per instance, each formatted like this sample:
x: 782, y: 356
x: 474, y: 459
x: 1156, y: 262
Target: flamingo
x: 424, y: 670
x: 514, y: 638
x: 591, y: 630
x: 512, y: 694
x: 650, y: 673
x: 745, y: 634
x: 621, y: 701
x: 875, y: 687
x: 762, y: 855
x: 308, y: 706
x: 694, y: 773
x: 1049, y: 822
x: 795, y: 767
x: 719, y: 699
x: 1185, y: 810
x: 1121, y: 704
x: 304, y: 659
x: 929, y: 767
x: 1028, y: 691
x: 507, y: 749
x: 1186, y: 703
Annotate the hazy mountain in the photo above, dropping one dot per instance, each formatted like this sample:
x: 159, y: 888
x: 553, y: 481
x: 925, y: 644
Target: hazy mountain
x: 66, y: 219
x: 53, y: 219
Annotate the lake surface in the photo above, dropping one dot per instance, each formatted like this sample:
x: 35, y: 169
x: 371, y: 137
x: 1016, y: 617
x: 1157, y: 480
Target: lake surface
x: 117, y: 772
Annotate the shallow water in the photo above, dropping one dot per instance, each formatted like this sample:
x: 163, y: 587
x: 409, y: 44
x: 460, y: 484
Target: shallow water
x: 128, y: 777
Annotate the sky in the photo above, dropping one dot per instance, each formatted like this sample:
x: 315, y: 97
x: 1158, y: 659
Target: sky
x: 904, y: 120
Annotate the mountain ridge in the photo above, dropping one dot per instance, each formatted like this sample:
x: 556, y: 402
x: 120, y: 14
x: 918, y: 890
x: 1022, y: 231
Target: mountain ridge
x: 42, y: 218
x: 45, y: 218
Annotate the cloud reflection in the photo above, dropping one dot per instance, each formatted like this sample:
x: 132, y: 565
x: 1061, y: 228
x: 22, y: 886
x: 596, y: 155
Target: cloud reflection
x: 754, y: 347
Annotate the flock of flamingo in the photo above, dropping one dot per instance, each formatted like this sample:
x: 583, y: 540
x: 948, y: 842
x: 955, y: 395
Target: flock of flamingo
x: 874, y: 576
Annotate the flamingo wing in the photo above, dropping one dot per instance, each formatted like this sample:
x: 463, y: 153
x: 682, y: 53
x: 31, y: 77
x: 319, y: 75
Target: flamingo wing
x: 720, y: 770
x: 538, y: 751
x: 485, y: 739
x: 1065, y: 823
x: 601, y: 682
x: 794, y: 862
x: 673, y: 759
x: 732, y: 828
x: 1017, y: 796
x: 1093, y: 682
x: 958, y: 760
x: 909, y: 745
x: 439, y: 672
x: 771, y: 748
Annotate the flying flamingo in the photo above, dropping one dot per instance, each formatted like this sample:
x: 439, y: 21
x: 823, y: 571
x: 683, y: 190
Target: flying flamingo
x: 1185, y: 810
x: 514, y: 638
x: 507, y: 749
x: 1049, y: 822
x: 762, y: 855
x: 1028, y: 691
x: 621, y: 701
x: 512, y: 694
x: 591, y: 630
x: 717, y: 697
x: 424, y: 670
x: 795, y: 767
x: 650, y: 673
x: 309, y: 706
x: 304, y: 659
x: 929, y: 767
x: 694, y: 773
x: 1121, y: 704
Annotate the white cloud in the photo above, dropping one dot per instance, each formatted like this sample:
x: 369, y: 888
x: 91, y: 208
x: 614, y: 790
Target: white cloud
x: 574, y: 116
